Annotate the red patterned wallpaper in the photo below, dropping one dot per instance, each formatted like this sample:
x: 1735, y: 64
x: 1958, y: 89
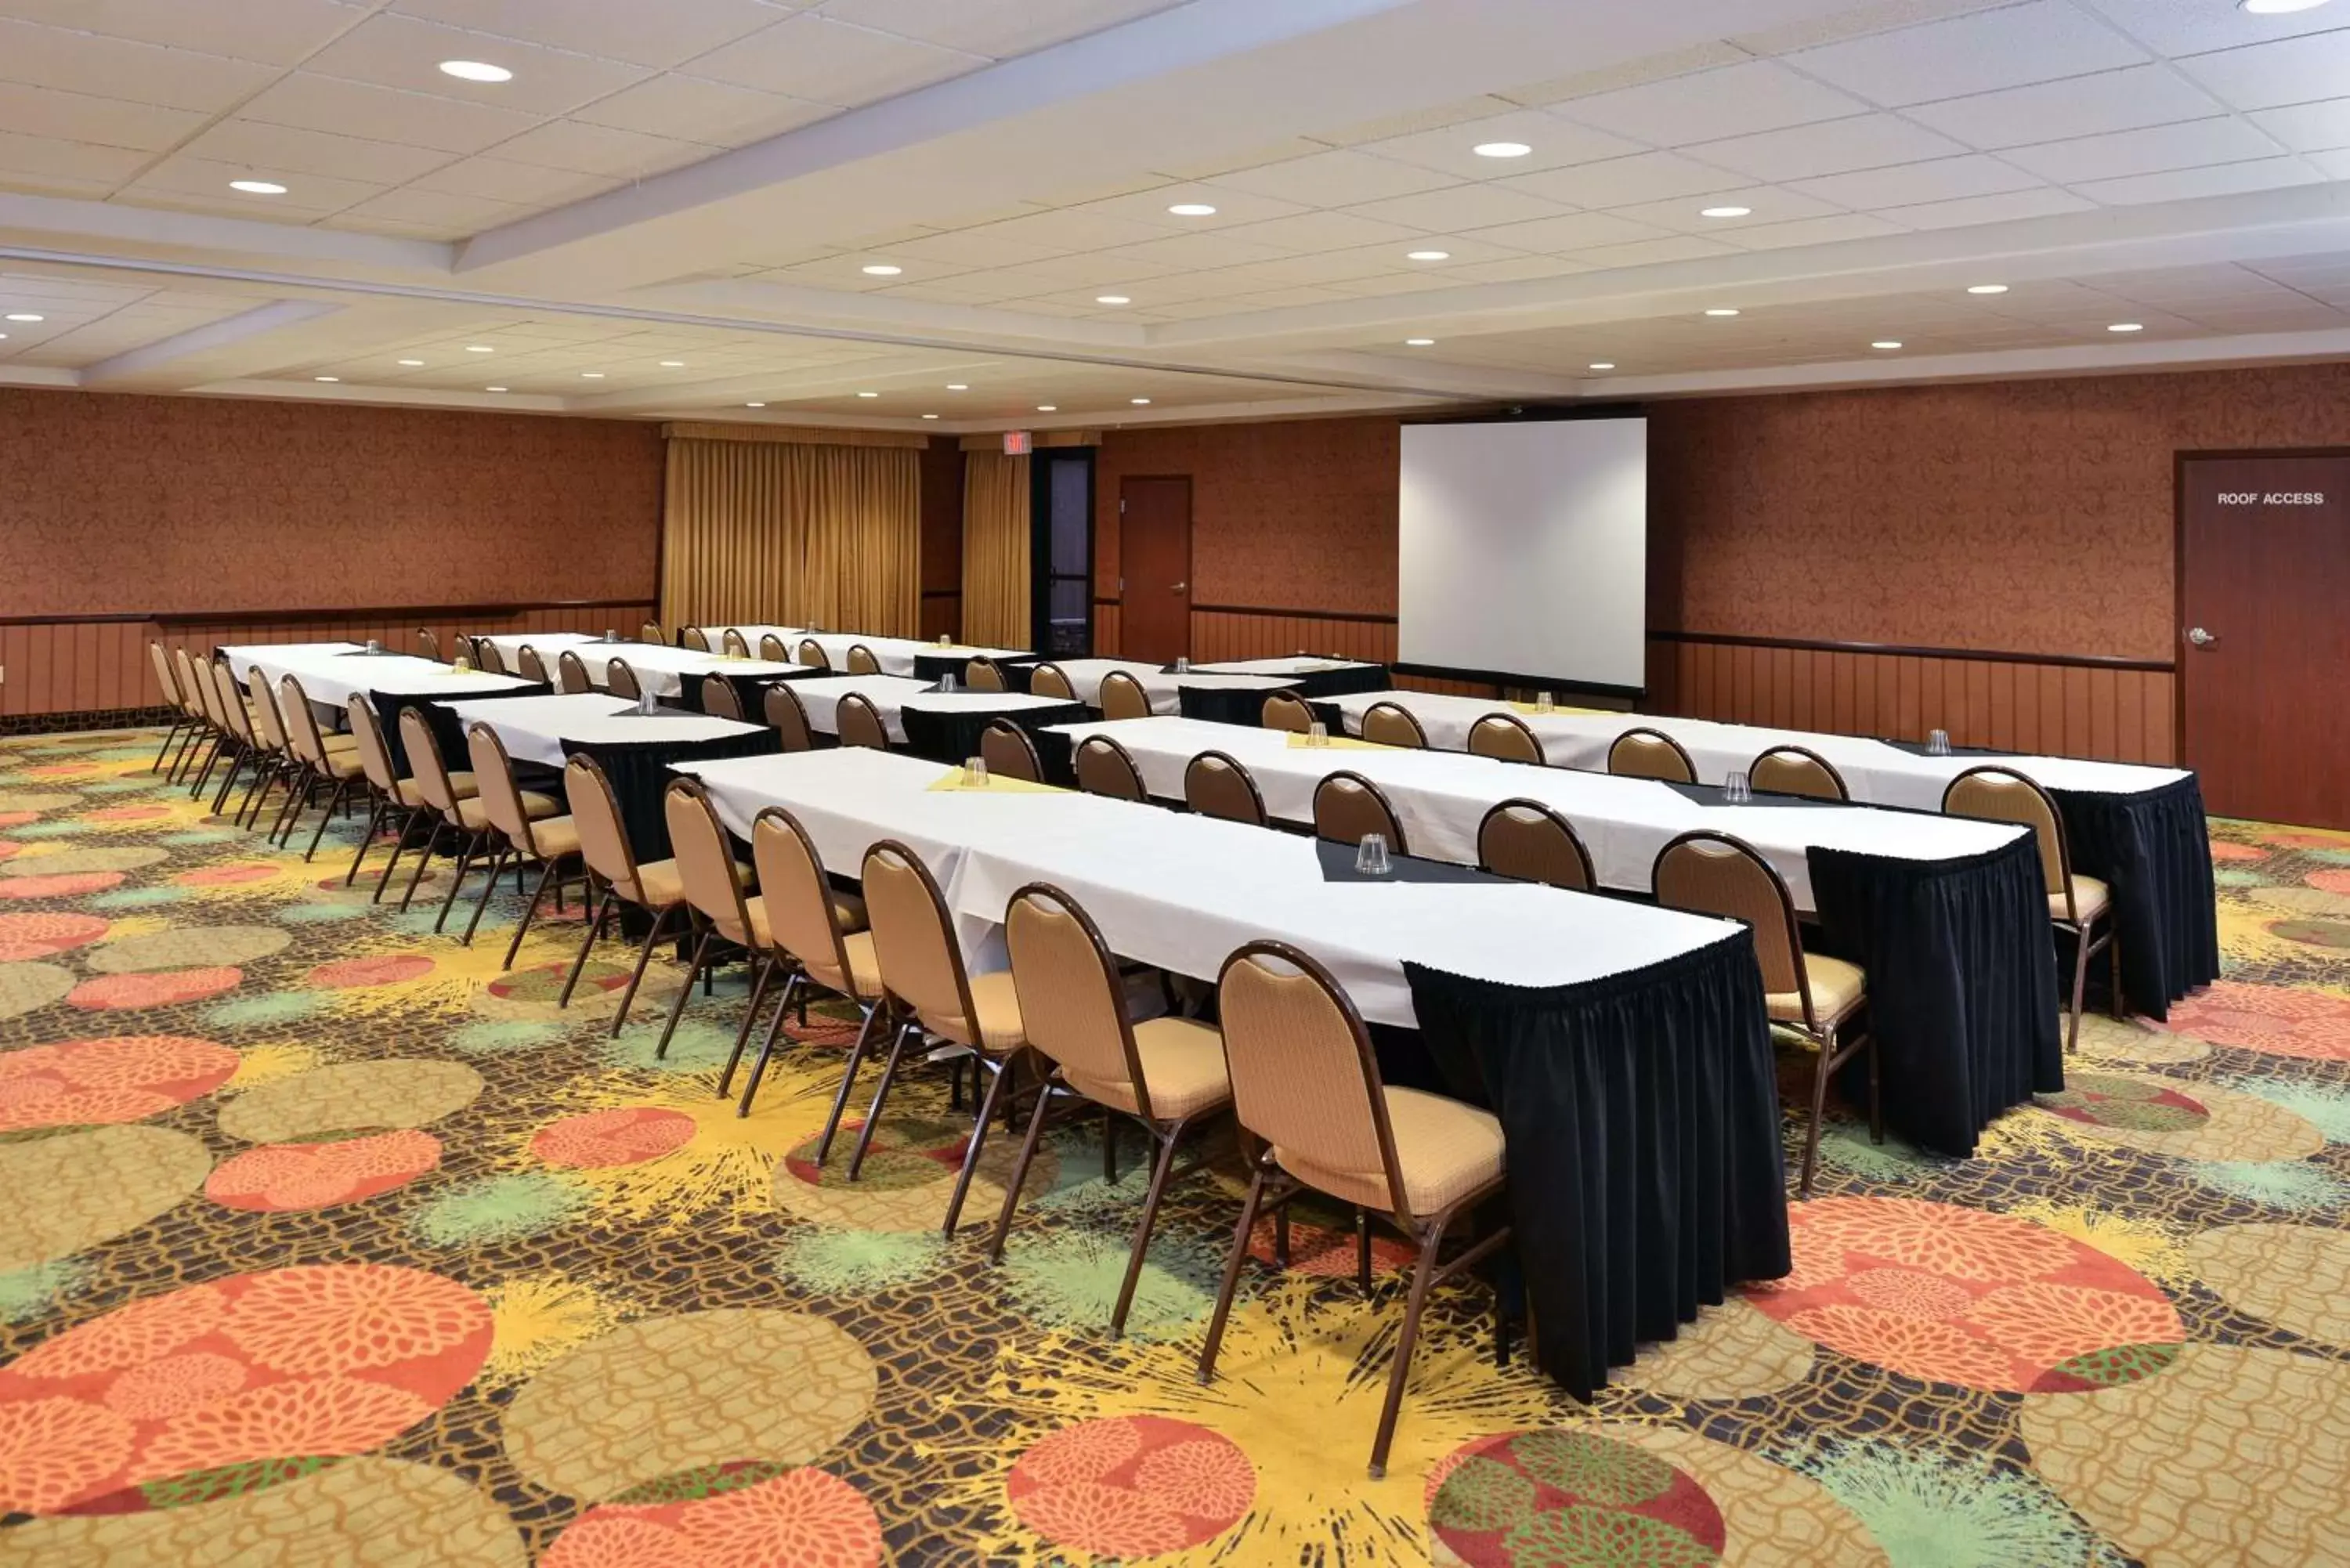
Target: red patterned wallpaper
x: 126, y: 503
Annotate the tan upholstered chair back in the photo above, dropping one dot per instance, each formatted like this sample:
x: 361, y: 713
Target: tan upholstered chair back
x: 914, y: 941
x: 1122, y: 697
x: 425, y: 765
x: 375, y: 757
x: 772, y: 649
x: 1006, y: 749
x: 1303, y: 1078
x: 494, y: 777
x: 859, y: 724
x: 229, y: 699
x: 192, y: 695
x: 651, y: 632
x: 1529, y: 841
x: 301, y: 724
x: 695, y: 639
x: 1072, y: 1006
x: 1392, y: 725
x: 705, y: 862
x: 603, y: 837
x: 1047, y: 680
x: 735, y: 643
x: 1506, y: 737
x: 487, y: 657
x: 788, y: 718
x: 984, y: 674
x: 1650, y: 754
x: 621, y: 679
x: 268, y: 725
x: 528, y: 664
x: 1284, y: 712
x: 1346, y: 805
x: 573, y: 671
x: 1217, y: 785
x: 1104, y: 767
x: 812, y: 653
x: 428, y: 643
x: 1713, y: 874
x: 798, y: 899
x: 719, y: 700
x: 862, y: 661
x: 2002, y: 795
x: 1792, y: 770
x: 165, y: 677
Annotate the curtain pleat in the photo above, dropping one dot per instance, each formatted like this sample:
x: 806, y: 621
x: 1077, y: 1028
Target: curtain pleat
x: 996, y: 565
x: 827, y: 536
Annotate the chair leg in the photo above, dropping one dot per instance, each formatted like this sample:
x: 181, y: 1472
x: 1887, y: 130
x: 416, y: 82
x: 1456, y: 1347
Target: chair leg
x: 880, y: 1093
x: 762, y: 972
x: 694, y: 967
x: 489, y: 886
x: 530, y: 911
x: 1819, y: 1111
x: 2080, y: 987
x: 978, y: 1137
x: 595, y: 930
x: 775, y: 1025
x: 334, y: 802
x: 2119, y: 1008
x: 298, y: 801
x: 1020, y: 1170
x: 847, y: 1080
x: 644, y: 957
x: 1109, y: 1146
x: 1231, y: 1275
x: 423, y: 858
x: 1363, y: 1250
x: 170, y: 736
x: 1142, y: 1229
x: 1422, y: 1275
x: 474, y: 844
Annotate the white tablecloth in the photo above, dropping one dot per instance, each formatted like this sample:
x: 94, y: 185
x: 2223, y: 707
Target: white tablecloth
x: 1440, y: 797
x: 330, y: 671
x: 790, y: 636
x: 663, y: 671
x: 547, y: 645
x: 821, y: 697
x: 1303, y: 664
x: 897, y: 654
x: 1181, y: 892
x: 1874, y: 772
x: 535, y: 728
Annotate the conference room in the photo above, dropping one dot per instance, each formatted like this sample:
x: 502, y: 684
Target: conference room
x: 1398, y: 781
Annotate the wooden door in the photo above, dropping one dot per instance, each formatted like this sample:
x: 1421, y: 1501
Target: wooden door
x: 1154, y: 557
x: 2265, y: 633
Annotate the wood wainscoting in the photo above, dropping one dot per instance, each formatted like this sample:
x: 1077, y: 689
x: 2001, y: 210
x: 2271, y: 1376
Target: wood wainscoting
x: 2116, y: 709
x: 99, y: 664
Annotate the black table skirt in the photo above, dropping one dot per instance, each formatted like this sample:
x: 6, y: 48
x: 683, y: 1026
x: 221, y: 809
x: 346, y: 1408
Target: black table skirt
x: 2153, y: 850
x: 639, y: 775
x: 1016, y: 669
x: 1346, y: 682
x: 1962, y: 983
x: 1641, y: 1117
x: 1230, y: 705
x: 955, y: 737
x: 447, y: 728
x: 751, y: 690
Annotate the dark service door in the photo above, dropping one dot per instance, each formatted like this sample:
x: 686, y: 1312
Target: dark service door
x: 1154, y: 556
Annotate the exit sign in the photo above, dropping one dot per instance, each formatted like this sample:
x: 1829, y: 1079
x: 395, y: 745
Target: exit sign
x: 1018, y: 443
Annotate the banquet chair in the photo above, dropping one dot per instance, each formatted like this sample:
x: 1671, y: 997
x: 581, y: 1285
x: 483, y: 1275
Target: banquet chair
x: 528, y: 665
x: 1346, y: 805
x: 812, y: 655
x: 203, y: 734
x: 930, y: 992
x: 1645, y: 753
x: 715, y: 907
x: 486, y: 656
x: 823, y: 935
x: 694, y: 639
x: 571, y: 674
x: 1215, y: 784
x: 1287, y: 711
x: 1526, y: 840
x: 428, y: 644
x: 734, y: 644
x: 2077, y: 904
x: 395, y: 796
x: 1122, y: 697
x: 620, y: 680
x: 524, y: 833
x: 1009, y: 753
x: 1792, y: 770
x: 463, y: 815
x: 859, y: 723
x: 655, y: 886
x: 1104, y: 767
x: 1507, y: 737
x: 719, y: 700
x: 1811, y: 993
x: 862, y: 661
x: 788, y: 717
x: 651, y: 632
x: 328, y: 761
x: 275, y: 763
x: 772, y: 649
x: 984, y: 674
x: 224, y: 702
x: 1317, y: 1116
x: 1165, y: 1073
x: 1049, y: 680
x: 1392, y: 725
x: 170, y: 686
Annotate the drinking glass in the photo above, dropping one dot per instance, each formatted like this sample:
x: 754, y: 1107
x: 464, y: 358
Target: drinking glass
x: 646, y: 701
x: 975, y: 771
x: 1318, y: 734
x: 1371, y: 856
x: 1737, y: 790
x: 1939, y: 743
x: 945, y: 641
x: 1544, y: 702
x: 1182, y: 665
x: 465, y: 666
x: 947, y: 682
x: 375, y: 645
x: 611, y: 635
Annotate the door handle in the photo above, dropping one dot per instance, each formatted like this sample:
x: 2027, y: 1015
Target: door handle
x: 1179, y: 588
x: 2201, y: 637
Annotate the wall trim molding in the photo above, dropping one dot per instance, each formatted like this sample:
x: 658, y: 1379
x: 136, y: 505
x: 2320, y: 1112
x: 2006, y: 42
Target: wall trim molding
x: 1903, y: 650
x: 362, y: 612
x: 1366, y: 617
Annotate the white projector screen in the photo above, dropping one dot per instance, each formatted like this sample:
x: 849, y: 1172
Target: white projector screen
x: 1524, y: 549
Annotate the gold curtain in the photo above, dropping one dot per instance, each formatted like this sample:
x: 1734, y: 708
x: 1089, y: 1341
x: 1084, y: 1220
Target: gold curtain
x: 765, y: 531
x: 995, y: 550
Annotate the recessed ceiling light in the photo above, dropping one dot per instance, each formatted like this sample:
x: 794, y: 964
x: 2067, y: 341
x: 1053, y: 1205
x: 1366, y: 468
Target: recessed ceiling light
x: 2278, y: 7
x: 2126, y: 327
x: 1886, y: 343
x: 1048, y: 407
x: 1721, y: 310
x: 326, y: 378
x: 929, y: 416
x: 958, y: 386
x: 479, y: 348
x: 494, y: 389
x: 1500, y: 150
x: 883, y: 269
x: 413, y: 363
x: 1725, y: 212
x: 25, y: 316
x: 592, y: 375
x: 475, y: 71
x: 257, y: 187
x: 1140, y: 402
x: 1192, y: 210
x: 1111, y: 299
x: 1603, y: 365
x: 1428, y: 256
x: 755, y: 405
x: 672, y: 364
x: 1420, y: 342
x: 1987, y: 288
x: 869, y: 394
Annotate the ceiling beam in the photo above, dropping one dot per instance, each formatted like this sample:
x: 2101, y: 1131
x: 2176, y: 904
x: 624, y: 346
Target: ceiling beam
x: 159, y: 366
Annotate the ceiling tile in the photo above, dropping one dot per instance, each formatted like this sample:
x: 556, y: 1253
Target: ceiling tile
x: 1573, y: 231
x: 1151, y: 206
x: 998, y: 28
x: 1521, y: 269
x: 600, y: 149
x: 1833, y: 147
x: 1196, y: 251
x: 2149, y: 151
x: 2192, y: 26
x: 1707, y: 106
x: 1074, y: 229
x: 964, y: 249
x: 76, y: 161
x: 281, y: 149
x: 2083, y: 106
x: 275, y: 32
x: 1771, y: 205
x: 1461, y: 207
x: 115, y: 68
x: 452, y: 214
x: 2268, y: 76
x: 824, y: 61
x: 1937, y: 180
x: 2035, y: 42
x: 523, y: 184
x: 2308, y: 127
x: 667, y: 33
x: 1627, y: 182
x: 313, y: 195
x: 2042, y: 202
x: 311, y: 102
x: 1831, y: 229
x: 1318, y: 231
x: 1557, y: 143
x: 406, y: 52
x: 1653, y: 253
x: 2183, y: 184
x: 690, y: 109
x: 77, y: 117
x: 1338, y: 179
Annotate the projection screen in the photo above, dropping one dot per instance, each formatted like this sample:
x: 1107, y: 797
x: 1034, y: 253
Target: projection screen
x: 1524, y: 549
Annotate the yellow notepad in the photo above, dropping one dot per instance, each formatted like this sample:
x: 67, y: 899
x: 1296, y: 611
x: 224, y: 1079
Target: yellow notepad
x: 1298, y: 743
x: 960, y: 781
x: 1530, y: 708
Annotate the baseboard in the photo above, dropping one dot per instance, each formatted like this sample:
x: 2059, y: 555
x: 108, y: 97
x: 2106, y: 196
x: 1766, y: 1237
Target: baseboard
x: 88, y: 719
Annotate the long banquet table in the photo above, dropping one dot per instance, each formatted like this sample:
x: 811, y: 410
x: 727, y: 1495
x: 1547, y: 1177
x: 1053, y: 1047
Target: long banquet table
x: 2139, y: 829
x: 1944, y: 913
x: 910, y: 656
x: 675, y: 674
x: 1313, y: 676
x: 1622, y: 1047
x: 331, y: 671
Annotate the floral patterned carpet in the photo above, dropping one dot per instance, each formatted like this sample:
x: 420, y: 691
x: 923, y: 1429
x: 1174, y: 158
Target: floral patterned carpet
x: 325, y: 1241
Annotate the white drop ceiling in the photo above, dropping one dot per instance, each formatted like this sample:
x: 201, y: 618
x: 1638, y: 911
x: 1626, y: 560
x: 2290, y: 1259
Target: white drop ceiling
x: 705, y: 182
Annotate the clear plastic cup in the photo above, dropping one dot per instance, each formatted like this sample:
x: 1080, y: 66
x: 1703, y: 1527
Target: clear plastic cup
x: 1544, y: 701
x: 1318, y: 734
x: 1938, y: 743
x: 975, y: 771
x: 1371, y: 856
x: 1737, y: 789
